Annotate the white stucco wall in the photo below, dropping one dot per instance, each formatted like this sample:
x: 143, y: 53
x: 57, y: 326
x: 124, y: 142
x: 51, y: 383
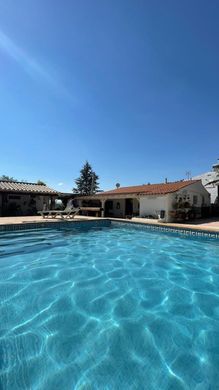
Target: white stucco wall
x: 152, y: 205
x: 211, y: 188
x: 118, y: 213
x: 187, y: 194
x: 196, y: 189
x: 136, y: 206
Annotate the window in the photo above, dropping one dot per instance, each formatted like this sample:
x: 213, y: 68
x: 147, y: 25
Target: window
x: 195, y: 199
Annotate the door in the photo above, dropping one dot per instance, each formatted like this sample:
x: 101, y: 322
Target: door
x: 108, y: 212
x: 129, y: 207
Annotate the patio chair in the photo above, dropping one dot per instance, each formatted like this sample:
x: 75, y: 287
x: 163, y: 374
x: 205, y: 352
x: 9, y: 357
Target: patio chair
x: 69, y: 212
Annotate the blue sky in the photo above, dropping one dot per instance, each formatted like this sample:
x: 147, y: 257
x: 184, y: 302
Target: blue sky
x: 130, y: 86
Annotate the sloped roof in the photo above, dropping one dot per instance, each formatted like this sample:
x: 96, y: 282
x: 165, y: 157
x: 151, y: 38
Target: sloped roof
x: 150, y: 189
x: 15, y: 186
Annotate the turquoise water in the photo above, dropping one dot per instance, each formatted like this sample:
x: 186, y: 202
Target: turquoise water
x: 110, y: 308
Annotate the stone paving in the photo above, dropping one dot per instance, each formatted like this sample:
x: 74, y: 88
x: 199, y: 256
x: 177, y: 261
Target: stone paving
x: 36, y: 218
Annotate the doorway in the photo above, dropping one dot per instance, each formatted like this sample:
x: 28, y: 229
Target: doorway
x: 108, y: 212
x: 128, y: 207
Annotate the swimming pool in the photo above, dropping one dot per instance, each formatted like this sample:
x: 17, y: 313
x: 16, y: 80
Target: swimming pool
x: 108, y: 308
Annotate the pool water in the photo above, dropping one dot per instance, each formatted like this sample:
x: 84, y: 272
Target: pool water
x: 108, y: 308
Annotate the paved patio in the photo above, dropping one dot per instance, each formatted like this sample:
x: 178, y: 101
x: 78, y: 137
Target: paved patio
x: 36, y: 218
x: 207, y: 224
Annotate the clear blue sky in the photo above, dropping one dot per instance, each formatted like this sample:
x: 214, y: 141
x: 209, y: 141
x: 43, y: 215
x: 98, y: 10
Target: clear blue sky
x: 131, y: 86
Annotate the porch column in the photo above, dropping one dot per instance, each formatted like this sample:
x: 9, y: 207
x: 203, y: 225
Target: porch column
x: 103, y: 207
x: 139, y: 205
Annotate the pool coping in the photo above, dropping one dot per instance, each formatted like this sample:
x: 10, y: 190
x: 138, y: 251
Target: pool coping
x: 47, y: 224
x: 204, y: 225
x: 183, y: 230
x: 187, y: 230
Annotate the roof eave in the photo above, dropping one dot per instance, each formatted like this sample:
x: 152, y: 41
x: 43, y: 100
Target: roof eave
x: 28, y: 192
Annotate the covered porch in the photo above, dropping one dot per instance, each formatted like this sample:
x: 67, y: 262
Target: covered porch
x: 22, y: 198
x: 120, y: 206
x: 23, y: 204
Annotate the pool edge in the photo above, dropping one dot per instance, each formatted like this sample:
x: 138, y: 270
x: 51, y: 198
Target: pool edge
x: 105, y: 222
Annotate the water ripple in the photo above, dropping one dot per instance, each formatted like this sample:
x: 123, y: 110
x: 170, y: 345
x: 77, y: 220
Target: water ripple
x: 111, y: 308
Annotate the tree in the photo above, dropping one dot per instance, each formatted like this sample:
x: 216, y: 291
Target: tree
x: 41, y: 183
x: 87, y: 183
x: 7, y: 178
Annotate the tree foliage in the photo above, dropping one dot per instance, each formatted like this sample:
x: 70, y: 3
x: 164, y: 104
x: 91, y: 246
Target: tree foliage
x: 7, y: 178
x: 87, y: 183
x: 40, y: 182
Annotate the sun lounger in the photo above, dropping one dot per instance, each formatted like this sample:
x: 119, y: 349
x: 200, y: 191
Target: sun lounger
x: 67, y: 213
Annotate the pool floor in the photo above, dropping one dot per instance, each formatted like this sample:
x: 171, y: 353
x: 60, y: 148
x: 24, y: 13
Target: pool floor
x: 108, y: 308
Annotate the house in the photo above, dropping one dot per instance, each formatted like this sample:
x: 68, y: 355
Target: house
x: 167, y: 201
x: 210, y: 181
x: 20, y: 198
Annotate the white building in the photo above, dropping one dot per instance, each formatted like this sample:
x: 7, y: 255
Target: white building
x: 210, y: 181
x: 167, y: 201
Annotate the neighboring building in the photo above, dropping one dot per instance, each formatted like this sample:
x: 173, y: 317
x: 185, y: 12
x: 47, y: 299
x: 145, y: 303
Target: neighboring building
x: 210, y: 181
x: 19, y: 198
x: 167, y: 201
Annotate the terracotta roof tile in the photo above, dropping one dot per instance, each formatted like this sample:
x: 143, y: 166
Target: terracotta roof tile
x: 13, y: 186
x: 150, y: 189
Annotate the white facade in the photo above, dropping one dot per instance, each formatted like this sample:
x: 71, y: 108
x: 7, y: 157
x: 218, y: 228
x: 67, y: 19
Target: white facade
x: 210, y: 181
x: 195, y: 194
x: 191, y: 201
x: 151, y: 205
x: 154, y: 205
x: 206, y: 179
